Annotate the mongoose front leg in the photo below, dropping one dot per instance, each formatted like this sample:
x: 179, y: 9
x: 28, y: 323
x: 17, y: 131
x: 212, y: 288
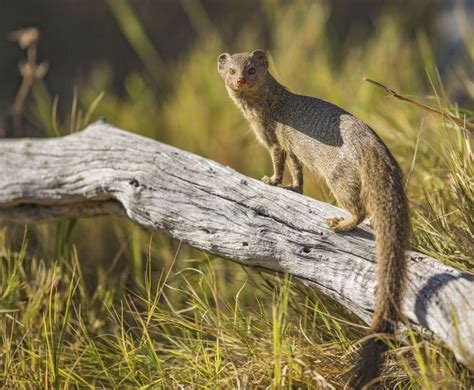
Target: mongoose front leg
x: 296, y: 171
x: 278, y: 158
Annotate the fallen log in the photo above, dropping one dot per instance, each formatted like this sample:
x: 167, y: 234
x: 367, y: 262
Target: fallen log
x: 103, y: 170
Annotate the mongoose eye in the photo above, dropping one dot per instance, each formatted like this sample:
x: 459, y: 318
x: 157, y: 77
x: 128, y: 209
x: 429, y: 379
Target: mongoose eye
x: 251, y: 70
x: 231, y: 71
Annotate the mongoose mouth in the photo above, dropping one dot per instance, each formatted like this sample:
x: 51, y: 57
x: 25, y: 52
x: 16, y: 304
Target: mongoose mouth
x: 242, y: 87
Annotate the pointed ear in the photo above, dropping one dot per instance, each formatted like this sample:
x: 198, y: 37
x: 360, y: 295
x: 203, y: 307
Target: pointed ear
x: 221, y: 61
x: 261, y: 57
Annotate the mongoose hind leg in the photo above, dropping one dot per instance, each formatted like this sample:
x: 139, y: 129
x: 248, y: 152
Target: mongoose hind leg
x: 339, y: 224
x: 278, y: 159
x: 352, y: 204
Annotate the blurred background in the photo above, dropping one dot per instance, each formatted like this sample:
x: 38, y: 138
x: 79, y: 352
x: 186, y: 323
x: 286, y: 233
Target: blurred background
x: 107, y: 46
x: 149, y: 66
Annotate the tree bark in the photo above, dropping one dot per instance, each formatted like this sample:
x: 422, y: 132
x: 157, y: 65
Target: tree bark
x: 104, y: 170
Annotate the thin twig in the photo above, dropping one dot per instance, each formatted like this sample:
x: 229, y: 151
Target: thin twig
x: 30, y: 72
x: 464, y: 124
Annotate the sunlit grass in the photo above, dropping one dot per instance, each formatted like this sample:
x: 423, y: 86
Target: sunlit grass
x: 185, y: 327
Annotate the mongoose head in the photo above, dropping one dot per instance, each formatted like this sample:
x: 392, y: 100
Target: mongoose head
x: 243, y: 72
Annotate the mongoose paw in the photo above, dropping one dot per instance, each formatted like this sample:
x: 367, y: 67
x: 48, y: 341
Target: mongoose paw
x: 340, y: 224
x: 272, y: 180
x: 335, y: 223
x: 297, y: 189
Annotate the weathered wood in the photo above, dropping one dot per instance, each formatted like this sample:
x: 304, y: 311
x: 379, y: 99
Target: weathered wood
x: 105, y: 170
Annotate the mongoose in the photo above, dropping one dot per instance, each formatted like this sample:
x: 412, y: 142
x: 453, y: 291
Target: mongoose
x: 357, y: 166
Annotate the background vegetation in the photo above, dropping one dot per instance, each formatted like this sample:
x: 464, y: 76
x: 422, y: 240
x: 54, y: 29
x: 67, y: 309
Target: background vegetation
x: 102, y: 303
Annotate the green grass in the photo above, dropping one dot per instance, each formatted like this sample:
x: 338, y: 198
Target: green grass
x: 200, y: 323
x: 102, y: 303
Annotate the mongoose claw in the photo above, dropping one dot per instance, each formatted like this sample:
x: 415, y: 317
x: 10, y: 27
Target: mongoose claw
x: 369, y: 222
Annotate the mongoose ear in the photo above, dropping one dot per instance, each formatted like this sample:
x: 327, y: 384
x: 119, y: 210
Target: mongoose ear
x: 221, y: 61
x: 261, y: 57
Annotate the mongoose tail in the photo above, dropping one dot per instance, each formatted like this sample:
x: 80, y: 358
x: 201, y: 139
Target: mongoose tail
x: 388, y: 207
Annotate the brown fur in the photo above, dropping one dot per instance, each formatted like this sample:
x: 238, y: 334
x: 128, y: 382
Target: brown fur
x: 360, y: 170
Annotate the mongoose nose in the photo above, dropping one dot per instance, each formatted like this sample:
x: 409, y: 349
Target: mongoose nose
x: 241, y: 81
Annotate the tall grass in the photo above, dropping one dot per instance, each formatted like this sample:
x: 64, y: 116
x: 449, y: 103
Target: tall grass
x: 103, y: 303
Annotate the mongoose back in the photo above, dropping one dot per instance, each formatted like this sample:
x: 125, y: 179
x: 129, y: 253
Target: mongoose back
x: 359, y: 169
